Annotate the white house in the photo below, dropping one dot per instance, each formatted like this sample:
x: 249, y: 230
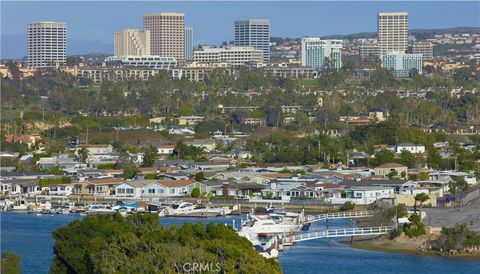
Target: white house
x: 414, y: 149
x: 94, y: 149
x: 364, y: 195
x: 168, y: 188
x: 166, y: 150
x: 60, y: 189
x: 133, y: 189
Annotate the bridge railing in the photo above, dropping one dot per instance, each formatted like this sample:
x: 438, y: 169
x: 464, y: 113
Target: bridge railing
x: 342, y: 232
x: 340, y: 215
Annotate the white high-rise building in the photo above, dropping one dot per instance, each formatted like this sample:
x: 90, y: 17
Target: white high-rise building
x: 167, y: 34
x: 46, y: 44
x: 254, y: 33
x: 188, y: 43
x: 392, y: 30
x: 132, y: 42
x: 315, y: 52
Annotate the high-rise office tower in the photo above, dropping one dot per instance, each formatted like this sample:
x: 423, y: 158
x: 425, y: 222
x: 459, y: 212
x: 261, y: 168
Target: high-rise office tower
x: 315, y: 52
x: 46, y: 44
x: 188, y: 43
x: 392, y: 28
x: 167, y: 34
x: 254, y: 33
x: 132, y: 42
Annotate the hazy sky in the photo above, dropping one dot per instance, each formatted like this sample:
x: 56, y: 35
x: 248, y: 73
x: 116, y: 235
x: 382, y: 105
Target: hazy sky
x: 213, y: 21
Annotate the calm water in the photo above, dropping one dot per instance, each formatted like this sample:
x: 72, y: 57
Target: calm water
x: 30, y: 237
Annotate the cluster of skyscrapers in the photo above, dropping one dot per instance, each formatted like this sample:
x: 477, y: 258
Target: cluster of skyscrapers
x: 393, y: 43
x: 165, y: 41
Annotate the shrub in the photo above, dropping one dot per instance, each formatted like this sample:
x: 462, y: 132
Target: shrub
x: 348, y: 205
x: 195, y: 192
x: 10, y: 263
x: 416, y: 227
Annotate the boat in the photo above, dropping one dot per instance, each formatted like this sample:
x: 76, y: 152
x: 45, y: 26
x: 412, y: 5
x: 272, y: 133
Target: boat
x: 20, y: 205
x: 99, y: 209
x: 187, y: 209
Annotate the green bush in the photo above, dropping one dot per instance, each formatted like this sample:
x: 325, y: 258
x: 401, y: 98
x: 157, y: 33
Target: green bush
x: 10, y: 263
x: 138, y: 244
x: 348, y: 205
x: 416, y: 227
x: 195, y: 192
x: 106, y: 166
x: 54, y: 181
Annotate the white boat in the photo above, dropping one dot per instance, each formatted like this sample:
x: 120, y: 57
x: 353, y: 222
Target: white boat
x: 99, y: 209
x: 20, y: 205
x: 187, y: 209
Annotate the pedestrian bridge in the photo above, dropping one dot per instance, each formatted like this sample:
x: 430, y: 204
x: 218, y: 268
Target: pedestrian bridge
x: 339, y: 215
x: 342, y: 232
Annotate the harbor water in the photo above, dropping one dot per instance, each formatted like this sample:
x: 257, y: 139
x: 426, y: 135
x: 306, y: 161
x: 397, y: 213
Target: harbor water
x: 29, y: 236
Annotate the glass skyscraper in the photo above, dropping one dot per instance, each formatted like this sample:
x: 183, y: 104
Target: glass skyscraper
x: 254, y: 33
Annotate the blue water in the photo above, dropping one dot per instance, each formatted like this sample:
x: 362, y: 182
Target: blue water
x: 30, y: 237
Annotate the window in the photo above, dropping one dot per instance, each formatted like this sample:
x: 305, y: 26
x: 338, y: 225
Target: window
x: 172, y: 191
x: 151, y: 190
x: 129, y: 190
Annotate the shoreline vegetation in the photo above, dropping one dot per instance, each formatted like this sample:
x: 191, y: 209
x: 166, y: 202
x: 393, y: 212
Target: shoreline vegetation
x: 457, y: 242
x: 413, y: 248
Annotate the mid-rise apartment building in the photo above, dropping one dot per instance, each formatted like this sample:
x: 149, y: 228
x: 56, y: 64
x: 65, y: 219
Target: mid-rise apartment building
x: 132, y: 42
x: 392, y: 30
x: 254, y: 33
x: 318, y: 53
x: 369, y: 51
x: 46, y: 44
x: 167, y: 34
x: 424, y: 48
x: 402, y: 63
x: 235, y: 56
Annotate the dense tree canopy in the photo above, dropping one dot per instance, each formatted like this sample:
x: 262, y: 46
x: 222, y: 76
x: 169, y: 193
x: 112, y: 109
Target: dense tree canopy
x: 138, y: 244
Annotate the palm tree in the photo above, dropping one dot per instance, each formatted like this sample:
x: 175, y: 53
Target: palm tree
x: 420, y: 197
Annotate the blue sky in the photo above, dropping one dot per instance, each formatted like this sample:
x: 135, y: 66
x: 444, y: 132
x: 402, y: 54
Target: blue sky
x: 213, y: 21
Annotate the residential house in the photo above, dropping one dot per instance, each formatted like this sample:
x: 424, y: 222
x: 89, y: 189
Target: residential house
x: 59, y: 189
x: 97, y: 149
x: 5, y: 188
x: 386, y: 169
x: 189, y: 120
x: 132, y: 189
x: 414, y: 149
x: 29, y: 140
x: 364, y: 195
x: 168, y: 188
x: 207, y: 144
x: 97, y: 187
x: 165, y: 151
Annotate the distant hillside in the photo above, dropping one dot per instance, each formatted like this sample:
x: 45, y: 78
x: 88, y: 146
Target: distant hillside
x: 14, y: 46
x: 418, y: 33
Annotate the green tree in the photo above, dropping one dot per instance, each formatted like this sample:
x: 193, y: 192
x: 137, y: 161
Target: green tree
x: 416, y: 227
x: 129, y: 171
x: 150, y: 156
x: 138, y: 244
x: 10, y: 263
x: 421, y: 198
x: 199, y: 176
x: 195, y: 192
